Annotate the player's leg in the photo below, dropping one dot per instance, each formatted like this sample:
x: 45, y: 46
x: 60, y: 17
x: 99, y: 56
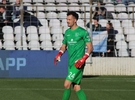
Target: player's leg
x: 81, y: 95
x: 67, y: 90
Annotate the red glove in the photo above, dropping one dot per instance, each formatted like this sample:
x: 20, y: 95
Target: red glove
x: 80, y: 62
x: 57, y: 58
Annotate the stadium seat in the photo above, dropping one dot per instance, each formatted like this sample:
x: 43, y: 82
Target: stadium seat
x: 56, y: 30
x: 46, y: 45
x: 73, y: 8
x: 17, y: 30
x: 12, y: 0
x: 121, y: 45
x: 57, y: 37
x: 44, y: 30
x: 132, y: 45
x: 64, y: 29
x: 133, y: 53
x: 7, y: 30
x: 127, y: 23
x: 119, y: 37
x: 122, y: 16
x: 84, y: 1
x: 29, y: 6
x: 33, y: 37
x: 39, y: 7
x: 29, y: 1
x: 62, y: 8
x: 40, y: 15
x: 18, y: 37
x: 51, y: 15
x: 130, y: 8
x: 31, y: 29
x: 131, y: 16
x: 34, y: 45
x: 130, y: 37
x: 103, y: 22
x: 44, y: 22
x: 79, y: 14
x: 116, y: 23
x: 72, y: 1
x: 109, y: 7
x: 54, y: 22
x: 41, y: 1
x: 9, y: 45
x: 94, y: 6
x: 85, y: 5
x: 44, y: 37
x: 87, y: 15
x: 119, y: 29
x: 62, y: 15
x: 64, y: 22
x: 50, y: 1
x: 114, y: 15
x: 123, y: 53
x: 50, y: 8
x: 19, y: 46
x: 120, y: 8
x: 0, y: 45
x: 59, y: 1
x: 57, y: 45
x: 8, y: 36
x: 129, y: 30
x: 80, y: 22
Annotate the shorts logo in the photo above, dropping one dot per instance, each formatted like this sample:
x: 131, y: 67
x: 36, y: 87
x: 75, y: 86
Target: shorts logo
x: 71, y: 76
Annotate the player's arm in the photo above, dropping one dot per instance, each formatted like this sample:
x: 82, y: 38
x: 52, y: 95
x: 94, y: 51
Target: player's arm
x: 62, y: 50
x: 80, y: 62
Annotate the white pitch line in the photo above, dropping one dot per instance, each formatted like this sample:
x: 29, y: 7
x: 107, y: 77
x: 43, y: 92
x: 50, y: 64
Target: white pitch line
x: 83, y: 79
x: 38, y: 89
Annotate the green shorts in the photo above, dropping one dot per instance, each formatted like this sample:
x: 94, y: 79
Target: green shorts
x: 75, y: 74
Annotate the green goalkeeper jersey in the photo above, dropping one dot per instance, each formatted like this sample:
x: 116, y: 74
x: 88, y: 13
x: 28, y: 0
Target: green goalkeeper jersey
x: 76, y: 41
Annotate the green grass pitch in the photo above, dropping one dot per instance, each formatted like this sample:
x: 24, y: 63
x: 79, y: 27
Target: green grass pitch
x: 96, y: 88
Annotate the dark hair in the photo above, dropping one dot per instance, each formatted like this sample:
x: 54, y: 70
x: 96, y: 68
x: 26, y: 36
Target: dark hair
x: 96, y: 19
x: 2, y: 7
x: 73, y: 14
x: 111, y: 25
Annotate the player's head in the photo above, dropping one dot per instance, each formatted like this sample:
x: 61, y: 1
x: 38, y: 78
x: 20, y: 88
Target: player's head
x: 72, y: 18
x: 4, y: 1
x: 96, y: 21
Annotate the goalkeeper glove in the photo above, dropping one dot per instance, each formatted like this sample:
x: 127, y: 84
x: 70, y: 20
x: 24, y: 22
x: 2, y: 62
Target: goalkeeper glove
x: 80, y: 62
x: 57, y: 58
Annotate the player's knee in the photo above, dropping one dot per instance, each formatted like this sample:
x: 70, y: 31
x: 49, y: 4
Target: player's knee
x: 77, y: 87
x: 66, y: 86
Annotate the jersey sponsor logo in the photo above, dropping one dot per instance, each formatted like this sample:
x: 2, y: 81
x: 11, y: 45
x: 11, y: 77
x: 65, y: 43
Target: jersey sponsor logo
x: 71, y: 42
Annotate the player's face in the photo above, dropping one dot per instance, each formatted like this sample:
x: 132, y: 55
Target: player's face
x: 71, y: 20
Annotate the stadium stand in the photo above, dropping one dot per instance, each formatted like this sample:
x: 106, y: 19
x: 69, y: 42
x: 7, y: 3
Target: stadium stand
x: 34, y: 45
x: 49, y: 35
x: 9, y: 45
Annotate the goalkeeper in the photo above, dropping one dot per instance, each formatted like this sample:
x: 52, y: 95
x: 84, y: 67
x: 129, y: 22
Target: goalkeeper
x: 76, y: 38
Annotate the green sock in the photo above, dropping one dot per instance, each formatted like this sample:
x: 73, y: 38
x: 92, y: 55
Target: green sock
x: 66, y: 94
x: 81, y: 95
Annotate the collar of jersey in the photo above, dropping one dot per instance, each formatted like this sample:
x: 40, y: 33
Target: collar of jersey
x: 74, y: 29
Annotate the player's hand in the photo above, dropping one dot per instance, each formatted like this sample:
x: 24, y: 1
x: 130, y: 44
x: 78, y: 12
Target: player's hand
x: 57, y: 58
x: 80, y: 62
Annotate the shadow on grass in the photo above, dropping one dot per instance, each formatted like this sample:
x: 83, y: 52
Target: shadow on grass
x: 90, y: 76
